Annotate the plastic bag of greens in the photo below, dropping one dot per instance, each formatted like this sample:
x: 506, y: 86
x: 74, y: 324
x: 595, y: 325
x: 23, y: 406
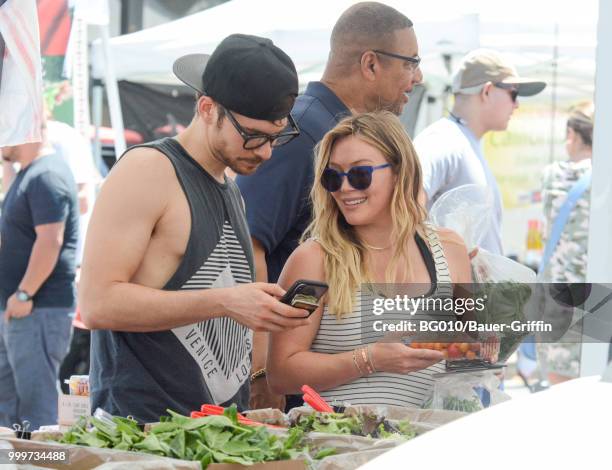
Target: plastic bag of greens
x: 506, y: 285
x: 465, y: 391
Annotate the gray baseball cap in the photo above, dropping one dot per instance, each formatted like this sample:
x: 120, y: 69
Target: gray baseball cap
x: 485, y: 65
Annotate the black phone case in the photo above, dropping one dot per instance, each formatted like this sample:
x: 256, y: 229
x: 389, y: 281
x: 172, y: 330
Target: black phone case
x: 305, y: 287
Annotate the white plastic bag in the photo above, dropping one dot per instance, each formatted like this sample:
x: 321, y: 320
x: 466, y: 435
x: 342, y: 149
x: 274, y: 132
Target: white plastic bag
x: 468, y: 211
x: 466, y: 391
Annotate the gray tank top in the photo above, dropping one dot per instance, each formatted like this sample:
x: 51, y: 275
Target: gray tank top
x: 143, y: 374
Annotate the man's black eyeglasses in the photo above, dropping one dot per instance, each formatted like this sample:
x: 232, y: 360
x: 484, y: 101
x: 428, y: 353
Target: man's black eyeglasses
x: 415, y: 61
x: 253, y: 141
x: 511, y: 88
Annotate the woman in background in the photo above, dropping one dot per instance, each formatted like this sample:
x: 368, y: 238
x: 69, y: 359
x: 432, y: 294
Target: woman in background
x: 568, y: 262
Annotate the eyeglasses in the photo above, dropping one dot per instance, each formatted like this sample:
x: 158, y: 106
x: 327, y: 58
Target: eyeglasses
x: 511, y: 88
x: 359, y: 177
x: 414, y: 61
x: 253, y: 141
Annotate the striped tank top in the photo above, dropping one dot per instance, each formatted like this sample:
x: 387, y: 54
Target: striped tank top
x: 382, y: 388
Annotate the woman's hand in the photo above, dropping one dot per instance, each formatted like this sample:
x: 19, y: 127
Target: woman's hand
x: 401, y: 359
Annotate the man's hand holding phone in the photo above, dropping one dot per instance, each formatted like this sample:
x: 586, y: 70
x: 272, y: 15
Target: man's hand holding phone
x: 256, y: 306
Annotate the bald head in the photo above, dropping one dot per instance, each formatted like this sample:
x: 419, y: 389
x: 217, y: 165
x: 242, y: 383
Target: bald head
x: 364, y: 26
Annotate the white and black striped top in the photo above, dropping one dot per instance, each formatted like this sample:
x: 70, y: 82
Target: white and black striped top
x: 227, y: 254
x: 351, y: 331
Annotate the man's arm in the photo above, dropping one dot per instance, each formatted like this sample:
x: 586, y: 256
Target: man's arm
x: 45, y: 252
x: 43, y: 258
x: 132, y: 200
x: 260, y: 339
x: 8, y: 174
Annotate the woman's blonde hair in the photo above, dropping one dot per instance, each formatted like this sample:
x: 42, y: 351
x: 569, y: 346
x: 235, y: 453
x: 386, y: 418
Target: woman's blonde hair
x: 344, y: 254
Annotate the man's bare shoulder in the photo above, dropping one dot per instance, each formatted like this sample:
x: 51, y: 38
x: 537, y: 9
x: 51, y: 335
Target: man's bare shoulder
x: 143, y: 162
x: 140, y: 184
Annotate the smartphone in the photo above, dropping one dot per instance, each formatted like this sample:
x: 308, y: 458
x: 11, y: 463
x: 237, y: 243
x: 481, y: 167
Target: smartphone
x: 305, y: 294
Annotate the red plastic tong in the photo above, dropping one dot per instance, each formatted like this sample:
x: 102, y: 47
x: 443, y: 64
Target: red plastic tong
x: 215, y: 410
x: 315, y: 400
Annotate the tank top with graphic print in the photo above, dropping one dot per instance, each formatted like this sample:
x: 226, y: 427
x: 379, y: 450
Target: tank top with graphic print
x: 143, y: 374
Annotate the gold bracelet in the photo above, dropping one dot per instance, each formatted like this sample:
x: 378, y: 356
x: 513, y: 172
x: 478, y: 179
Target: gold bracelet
x: 361, y: 374
x: 364, y: 355
x: 370, y: 358
x: 257, y: 374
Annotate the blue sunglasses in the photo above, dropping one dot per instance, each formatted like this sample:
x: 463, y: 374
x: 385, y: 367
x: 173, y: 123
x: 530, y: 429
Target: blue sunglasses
x: 359, y: 177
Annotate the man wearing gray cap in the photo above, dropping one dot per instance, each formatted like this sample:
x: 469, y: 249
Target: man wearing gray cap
x: 486, y: 89
x: 166, y: 282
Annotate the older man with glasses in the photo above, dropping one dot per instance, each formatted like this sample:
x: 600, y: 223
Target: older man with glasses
x: 373, y: 64
x: 486, y: 89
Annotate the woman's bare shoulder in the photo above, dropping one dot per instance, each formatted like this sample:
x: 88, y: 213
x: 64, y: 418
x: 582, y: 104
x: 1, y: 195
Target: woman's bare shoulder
x: 306, y: 262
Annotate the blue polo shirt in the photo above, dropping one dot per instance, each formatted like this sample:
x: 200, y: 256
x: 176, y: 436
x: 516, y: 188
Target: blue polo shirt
x: 42, y: 193
x: 277, y: 194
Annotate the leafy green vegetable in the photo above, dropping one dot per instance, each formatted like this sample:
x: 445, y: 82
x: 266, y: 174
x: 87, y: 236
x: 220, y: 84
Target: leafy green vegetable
x: 459, y: 404
x: 505, y: 303
x: 210, y: 439
x: 357, y: 425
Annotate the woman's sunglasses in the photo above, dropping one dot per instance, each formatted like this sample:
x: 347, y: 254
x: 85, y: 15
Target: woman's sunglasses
x: 359, y: 177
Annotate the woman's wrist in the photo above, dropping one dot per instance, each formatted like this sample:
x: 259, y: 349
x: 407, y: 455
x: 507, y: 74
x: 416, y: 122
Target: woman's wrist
x: 356, y: 363
x: 363, y: 361
x: 258, y: 374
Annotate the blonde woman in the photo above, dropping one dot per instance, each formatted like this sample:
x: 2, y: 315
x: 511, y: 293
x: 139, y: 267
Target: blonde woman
x: 368, y: 227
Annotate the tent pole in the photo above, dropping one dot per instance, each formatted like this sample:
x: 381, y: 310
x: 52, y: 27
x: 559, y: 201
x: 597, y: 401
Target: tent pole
x: 553, y: 95
x: 112, y: 92
x: 595, y: 355
x: 96, y: 112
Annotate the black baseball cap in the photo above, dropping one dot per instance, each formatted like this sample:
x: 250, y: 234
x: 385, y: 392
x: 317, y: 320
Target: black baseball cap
x: 246, y: 74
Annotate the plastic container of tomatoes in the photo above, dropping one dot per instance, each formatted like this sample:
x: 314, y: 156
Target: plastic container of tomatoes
x: 475, y: 355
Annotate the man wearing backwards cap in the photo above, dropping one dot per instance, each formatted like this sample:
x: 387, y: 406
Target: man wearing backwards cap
x: 168, y: 268
x: 486, y: 90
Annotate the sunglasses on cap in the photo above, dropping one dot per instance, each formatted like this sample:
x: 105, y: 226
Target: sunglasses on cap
x: 511, y: 88
x: 359, y: 177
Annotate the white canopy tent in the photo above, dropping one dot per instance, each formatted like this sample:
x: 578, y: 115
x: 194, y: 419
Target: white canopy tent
x: 303, y: 30
x: 300, y: 30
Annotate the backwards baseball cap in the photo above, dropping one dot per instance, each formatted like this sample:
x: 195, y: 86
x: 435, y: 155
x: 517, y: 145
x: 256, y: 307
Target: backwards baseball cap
x: 245, y: 74
x: 484, y: 65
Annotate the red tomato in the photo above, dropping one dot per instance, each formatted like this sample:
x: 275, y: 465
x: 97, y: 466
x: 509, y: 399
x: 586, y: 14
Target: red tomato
x: 453, y: 351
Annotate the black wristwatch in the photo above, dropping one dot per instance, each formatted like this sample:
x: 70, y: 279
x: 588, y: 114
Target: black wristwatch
x: 22, y: 295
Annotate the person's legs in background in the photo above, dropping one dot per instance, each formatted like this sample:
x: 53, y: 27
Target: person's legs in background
x: 36, y: 346
x: 76, y: 361
x: 8, y: 393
